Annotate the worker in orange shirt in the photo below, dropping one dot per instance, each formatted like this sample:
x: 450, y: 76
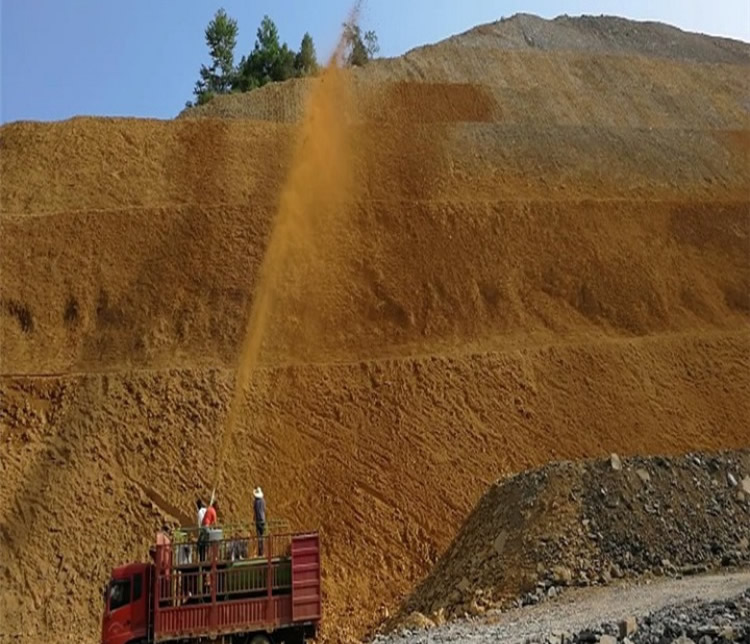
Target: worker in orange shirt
x: 209, y: 518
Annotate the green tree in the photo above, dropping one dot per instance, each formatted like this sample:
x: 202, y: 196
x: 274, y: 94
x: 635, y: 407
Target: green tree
x: 218, y: 77
x: 269, y: 61
x: 359, y: 48
x: 204, y: 97
x: 306, y: 62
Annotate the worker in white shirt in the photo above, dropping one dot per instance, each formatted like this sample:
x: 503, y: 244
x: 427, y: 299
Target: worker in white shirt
x: 201, y: 511
x: 201, y: 536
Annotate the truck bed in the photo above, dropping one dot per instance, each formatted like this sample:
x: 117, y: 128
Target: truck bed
x: 219, y: 596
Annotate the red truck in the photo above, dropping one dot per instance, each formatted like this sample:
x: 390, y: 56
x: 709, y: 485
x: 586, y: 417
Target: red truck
x: 230, y: 589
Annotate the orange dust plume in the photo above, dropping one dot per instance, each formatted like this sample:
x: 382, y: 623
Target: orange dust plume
x: 319, y: 177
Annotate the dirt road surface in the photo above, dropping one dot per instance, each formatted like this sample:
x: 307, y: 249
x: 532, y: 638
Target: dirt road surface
x: 581, y: 609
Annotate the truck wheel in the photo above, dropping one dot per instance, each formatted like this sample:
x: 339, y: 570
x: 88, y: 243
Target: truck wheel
x: 260, y: 639
x: 295, y: 637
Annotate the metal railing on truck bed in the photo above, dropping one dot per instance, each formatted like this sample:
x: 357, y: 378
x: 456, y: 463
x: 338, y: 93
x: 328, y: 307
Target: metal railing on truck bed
x: 232, y: 542
x: 225, y: 586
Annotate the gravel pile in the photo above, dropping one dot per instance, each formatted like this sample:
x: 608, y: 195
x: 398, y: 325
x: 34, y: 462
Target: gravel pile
x: 606, y: 34
x: 696, y: 622
x: 587, y: 524
x: 666, y: 516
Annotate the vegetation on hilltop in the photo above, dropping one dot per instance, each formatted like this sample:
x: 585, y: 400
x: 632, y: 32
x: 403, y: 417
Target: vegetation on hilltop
x: 270, y: 60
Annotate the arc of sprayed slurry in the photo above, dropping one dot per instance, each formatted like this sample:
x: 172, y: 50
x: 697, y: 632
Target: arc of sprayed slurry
x: 276, y: 251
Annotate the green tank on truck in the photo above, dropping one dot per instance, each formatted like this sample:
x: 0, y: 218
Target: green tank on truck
x: 251, y: 576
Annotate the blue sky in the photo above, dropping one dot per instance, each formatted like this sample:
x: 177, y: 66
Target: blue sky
x: 61, y: 58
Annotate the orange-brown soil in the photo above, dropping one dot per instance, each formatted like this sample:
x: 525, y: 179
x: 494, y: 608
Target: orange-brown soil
x: 552, y: 261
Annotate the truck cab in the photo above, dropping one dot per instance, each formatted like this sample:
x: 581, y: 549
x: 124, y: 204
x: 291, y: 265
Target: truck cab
x: 126, y: 605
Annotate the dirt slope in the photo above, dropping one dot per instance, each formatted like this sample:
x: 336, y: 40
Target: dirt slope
x: 539, y: 88
x: 387, y: 457
x: 527, y: 268
x: 530, y: 272
x: 88, y: 164
x: 542, y: 225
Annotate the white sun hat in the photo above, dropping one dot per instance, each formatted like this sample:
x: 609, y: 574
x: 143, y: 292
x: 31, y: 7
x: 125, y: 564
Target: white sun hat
x: 258, y: 493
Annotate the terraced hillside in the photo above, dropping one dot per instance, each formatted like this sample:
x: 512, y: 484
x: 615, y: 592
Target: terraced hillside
x: 507, y: 254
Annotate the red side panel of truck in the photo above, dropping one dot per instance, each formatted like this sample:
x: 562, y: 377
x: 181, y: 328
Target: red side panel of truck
x: 223, y: 618
x: 306, y: 594
x: 278, y: 589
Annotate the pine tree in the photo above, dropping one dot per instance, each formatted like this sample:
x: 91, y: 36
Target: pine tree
x: 269, y: 61
x: 305, y: 62
x: 218, y: 77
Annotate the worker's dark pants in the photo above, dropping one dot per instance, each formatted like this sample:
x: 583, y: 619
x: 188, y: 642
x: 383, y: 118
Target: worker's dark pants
x: 202, y: 543
x: 260, y: 528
